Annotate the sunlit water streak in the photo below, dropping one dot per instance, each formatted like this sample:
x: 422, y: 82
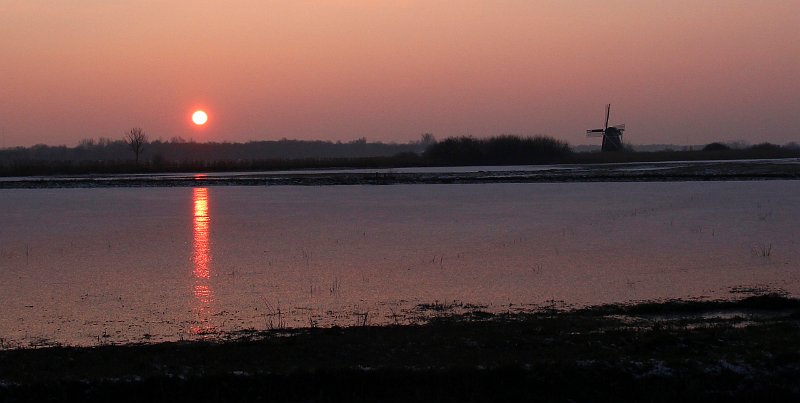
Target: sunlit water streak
x: 201, y: 258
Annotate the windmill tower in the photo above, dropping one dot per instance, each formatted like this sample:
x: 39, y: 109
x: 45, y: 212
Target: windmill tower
x: 612, y: 136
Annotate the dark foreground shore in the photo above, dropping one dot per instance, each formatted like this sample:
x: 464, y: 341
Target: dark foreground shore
x: 746, y: 350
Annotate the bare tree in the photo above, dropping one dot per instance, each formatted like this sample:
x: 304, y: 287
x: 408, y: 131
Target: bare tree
x: 136, y: 139
x: 427, y: 139
x: 425, y: 142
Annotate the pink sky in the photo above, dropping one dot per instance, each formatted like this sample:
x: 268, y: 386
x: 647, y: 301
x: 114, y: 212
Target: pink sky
x: 675, y: 71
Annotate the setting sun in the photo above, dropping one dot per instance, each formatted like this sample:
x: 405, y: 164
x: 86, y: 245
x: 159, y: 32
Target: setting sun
x: 199, y: 118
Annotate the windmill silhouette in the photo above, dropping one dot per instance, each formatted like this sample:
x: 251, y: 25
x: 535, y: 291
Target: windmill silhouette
x: 612, y: 136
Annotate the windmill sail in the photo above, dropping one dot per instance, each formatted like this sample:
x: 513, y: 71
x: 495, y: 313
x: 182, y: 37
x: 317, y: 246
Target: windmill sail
x: 612, y: 136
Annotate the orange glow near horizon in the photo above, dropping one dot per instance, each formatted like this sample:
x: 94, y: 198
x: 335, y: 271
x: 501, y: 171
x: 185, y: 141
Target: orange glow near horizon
x: 201, y: 259
x: 392, y: 70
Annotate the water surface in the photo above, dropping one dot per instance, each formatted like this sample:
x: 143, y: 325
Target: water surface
x: 89, y: 266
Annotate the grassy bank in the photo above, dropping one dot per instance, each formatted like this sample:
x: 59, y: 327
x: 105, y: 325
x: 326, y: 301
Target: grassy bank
x: 713, y: 351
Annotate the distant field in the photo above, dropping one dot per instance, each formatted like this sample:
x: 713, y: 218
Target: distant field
x: 693, y: 170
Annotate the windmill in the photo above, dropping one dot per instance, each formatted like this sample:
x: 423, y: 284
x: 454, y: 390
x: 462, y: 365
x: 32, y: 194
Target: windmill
x: 612, y: 136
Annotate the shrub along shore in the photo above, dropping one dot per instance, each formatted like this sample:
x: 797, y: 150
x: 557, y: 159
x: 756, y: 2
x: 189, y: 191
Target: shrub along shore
x: 743, y: 350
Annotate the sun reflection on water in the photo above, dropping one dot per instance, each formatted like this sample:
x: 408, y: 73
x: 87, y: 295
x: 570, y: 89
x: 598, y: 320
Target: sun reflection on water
x: 201, y: 259
x: 200, y: 251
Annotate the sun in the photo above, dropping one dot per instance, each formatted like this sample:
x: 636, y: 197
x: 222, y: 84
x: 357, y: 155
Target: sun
x: 199, y: 117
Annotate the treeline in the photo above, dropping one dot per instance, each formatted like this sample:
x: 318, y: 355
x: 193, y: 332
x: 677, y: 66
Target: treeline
x: 115, y: 156
x: 179, y: 150
x: 177, y: 155
x: 500, y: 150
x: 107, y: 156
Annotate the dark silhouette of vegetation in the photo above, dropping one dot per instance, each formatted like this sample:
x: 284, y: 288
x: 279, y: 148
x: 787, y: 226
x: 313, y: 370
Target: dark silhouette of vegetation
x: 766, y: 148
x: 105, y: 155
x: 427, y: 140
x: 136, y: 139
x: 500, y: 150
x: 716, y: 146
x: 759, y: 151
x: 109, y: 156
x: 179, y: 149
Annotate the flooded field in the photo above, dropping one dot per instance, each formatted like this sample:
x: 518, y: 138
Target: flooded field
x: 91, y: 266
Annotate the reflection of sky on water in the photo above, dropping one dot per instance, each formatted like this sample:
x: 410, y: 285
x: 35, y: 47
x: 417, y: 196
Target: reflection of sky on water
x: 132, y: 261
x: 201, y: 259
